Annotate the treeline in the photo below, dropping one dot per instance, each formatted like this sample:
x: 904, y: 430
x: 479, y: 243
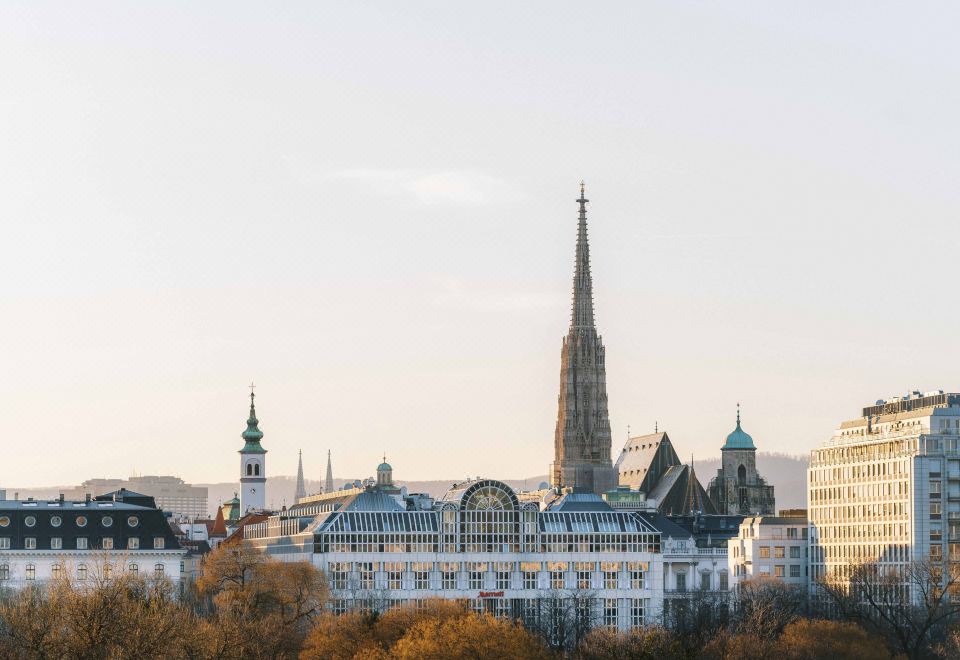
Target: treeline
x: 248, y: 606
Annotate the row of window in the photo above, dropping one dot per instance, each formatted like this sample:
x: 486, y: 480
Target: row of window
x: 79, y: 521
x: 527, y: 609
x: 82, y: 543
x: 60, y: 570
x: 779, y: 570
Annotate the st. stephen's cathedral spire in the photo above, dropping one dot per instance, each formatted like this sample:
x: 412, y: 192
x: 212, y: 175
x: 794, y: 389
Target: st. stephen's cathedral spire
x: 582, y: 440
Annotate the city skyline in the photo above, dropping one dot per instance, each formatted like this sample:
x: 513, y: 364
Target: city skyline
x: 399, y: 281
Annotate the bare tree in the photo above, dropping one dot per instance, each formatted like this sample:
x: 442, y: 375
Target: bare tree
x: 765, y: 606
x: 564, y: 617
x: 912, y: 605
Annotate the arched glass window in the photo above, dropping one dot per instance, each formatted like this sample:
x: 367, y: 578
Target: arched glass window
x: 158, y: 570
x: 742, y: 475
x: 4, y: 571
x: 256, y: 469
x: 134, y: 569
x: 249, y: 469
x: 31, y: 571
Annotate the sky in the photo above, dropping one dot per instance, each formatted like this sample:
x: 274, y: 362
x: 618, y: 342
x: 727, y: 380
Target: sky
x: 368, y: 210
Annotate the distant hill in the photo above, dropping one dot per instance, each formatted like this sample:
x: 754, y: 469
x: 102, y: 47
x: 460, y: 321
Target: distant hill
x: 788, y: 474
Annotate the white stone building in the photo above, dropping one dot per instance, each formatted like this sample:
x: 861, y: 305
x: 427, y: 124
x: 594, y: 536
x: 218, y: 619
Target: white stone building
x: 886, y: 488
x: 121, y: 531
x: 771, y: 547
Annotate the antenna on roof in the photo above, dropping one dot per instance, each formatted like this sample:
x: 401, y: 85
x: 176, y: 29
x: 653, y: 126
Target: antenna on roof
x: 656, y: 427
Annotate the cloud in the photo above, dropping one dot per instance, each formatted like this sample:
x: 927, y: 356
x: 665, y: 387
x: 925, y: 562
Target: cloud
x: 461, y: 188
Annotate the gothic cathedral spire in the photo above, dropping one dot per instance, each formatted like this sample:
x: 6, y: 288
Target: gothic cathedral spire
x: 328, y: 483
x: 582, y: 438
x: 301, y: 486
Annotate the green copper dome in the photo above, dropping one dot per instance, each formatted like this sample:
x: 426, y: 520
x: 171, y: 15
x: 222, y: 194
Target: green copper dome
x: 253, y: 434
x: 739, y: 439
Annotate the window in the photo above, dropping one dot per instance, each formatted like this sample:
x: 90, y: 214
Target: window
x: 792, y: 532
x: 4, y: 571
x: 557, y: 570
x: 4, y: 521
x: 637, y: 570
x: 610, y: 612
x: 584, y: 572
x: 724, y: 581
x: 448, y: 572
x: 158, y: 571
x: 795, y: 552
x: 81, y: 543
x: 530, y: 579
x: 394, y: 571
x: 609, y: 576
x: 133, y: 543
x: 133, y: 521
x: 81, y: 521
x: 778, y: 571
x: 365, y: 569
x: 778, y: 552
x: 421, y: 576
x: 934, y: 510
x: 477, y: 570
x: 31, y: 571
x: 55, y: 571
x: 107, y: 543
x: 133, y: 569
x: 764, y: 552
x: 681, y: 581
x: 249, y: 469
x: 158, y: 543
x: 82, y: 571
x: 704, y: 581
x: 55, y: 521
x: 30, y: 521
x: 503, y: 579
x: 636, y: 612
x: 4, y: 542
x: 106, y: 521
x: 795, y: 570
x: 56, y: 543
x: 30, y: 543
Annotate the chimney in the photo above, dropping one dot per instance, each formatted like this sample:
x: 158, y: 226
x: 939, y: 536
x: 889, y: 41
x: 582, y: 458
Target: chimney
x: 87, y: 498
x: 61, y: 498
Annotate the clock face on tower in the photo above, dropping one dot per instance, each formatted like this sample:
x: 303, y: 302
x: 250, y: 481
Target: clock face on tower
x: 253, y: 491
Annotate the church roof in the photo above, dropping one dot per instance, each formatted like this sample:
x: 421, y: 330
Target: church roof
x: 644, y: 460
x: 253, y: 435
x: 739, y: 439
x: 673, y: 492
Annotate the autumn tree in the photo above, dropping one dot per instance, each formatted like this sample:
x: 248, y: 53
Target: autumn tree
x: 808, y: 639
x: 469, y: 637
x: 606, y: 643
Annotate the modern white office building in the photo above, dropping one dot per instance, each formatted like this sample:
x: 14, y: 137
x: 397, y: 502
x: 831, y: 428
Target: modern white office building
x: 886, y: 488
x: 477, y: 543
x: 170, y: 493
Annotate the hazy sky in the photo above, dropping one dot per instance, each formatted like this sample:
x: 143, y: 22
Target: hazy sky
x: 367, y: 208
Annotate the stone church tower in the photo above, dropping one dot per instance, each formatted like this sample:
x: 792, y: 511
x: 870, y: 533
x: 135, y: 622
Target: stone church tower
x: 738, y: 488
x: 582, y: 439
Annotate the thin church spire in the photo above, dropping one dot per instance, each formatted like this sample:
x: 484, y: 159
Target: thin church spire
x: 328, y: 483
x: 301, y: 486
x: 582, y: 310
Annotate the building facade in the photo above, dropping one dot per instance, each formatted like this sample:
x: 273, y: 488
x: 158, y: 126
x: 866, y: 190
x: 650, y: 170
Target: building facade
x: 253, y: 465
x: 582, y: 440
x: 885, y: 489
x: 771, y: 547
x: 170, y: 493
x: 86, y: 539
x: 478, y: 543
x: 738, y: 488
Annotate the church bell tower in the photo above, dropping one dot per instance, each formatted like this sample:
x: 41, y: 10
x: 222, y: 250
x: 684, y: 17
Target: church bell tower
x: 253, y: 466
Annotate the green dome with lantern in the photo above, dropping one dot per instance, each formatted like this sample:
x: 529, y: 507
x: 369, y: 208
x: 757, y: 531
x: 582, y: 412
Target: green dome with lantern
x: 738, y: 439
